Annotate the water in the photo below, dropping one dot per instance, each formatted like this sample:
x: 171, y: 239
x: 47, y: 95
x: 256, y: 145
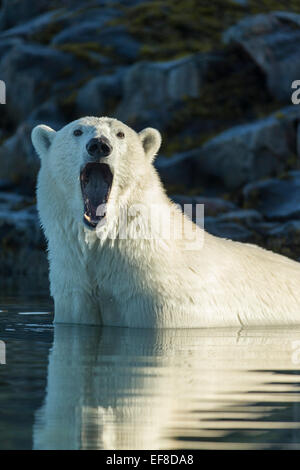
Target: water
x: 76, y: 387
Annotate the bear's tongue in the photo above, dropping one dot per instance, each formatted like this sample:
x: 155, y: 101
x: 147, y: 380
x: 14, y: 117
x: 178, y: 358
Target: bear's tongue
x: 96, y: 181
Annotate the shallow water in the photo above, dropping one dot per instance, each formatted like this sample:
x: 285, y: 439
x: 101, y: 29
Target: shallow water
x: 76, y: 387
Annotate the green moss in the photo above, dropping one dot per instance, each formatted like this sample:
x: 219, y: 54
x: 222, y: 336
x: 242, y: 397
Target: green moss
x: 265, y: 6
x: 84, y: 51
x: 172, y: 28
x: 279, y: 115
x: 233, y: 92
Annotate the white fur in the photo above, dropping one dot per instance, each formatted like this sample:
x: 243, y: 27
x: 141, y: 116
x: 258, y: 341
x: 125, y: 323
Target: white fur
x: 159, y: 282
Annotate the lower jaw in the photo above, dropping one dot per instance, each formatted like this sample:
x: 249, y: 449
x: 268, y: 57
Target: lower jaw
x: 88, y: 222
x: 91, y: 223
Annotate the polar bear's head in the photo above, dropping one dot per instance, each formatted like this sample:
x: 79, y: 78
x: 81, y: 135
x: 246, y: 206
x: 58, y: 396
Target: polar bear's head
x: 94, y: 161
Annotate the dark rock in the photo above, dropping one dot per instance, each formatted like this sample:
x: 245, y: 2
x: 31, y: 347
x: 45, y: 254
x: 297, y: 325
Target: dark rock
x: 284, y: 238
x: 298, y: 141
x: 277, y: 199
x: 31, y: 74
x: 272, y: 42
x: 6, y: 44
x: 230, y: 230
x: 114, y: 41
x: 99, y: 94
x: 212, y: 205
x: 10, y: 201
x: 48, y: 113
x: 177, y: 170
x: 243, y: 3
x: 19, y: 163
x: 243, y: 217
x: 14, y: 12
x: 264, y: 227
x: 250, y: 152
x: 88, y: 26
x: 32, y: 27
x: 22, y: 243
x: 5, y: 185
x: 121, y: 43
x: 152, y: 88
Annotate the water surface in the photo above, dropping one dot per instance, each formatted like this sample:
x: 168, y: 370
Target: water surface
x: 80, y: 387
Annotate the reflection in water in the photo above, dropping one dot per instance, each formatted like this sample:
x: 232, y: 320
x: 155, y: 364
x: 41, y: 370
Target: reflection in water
x: 114, y: 388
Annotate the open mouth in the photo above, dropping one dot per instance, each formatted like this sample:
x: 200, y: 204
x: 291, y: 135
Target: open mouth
x: 96, y: 181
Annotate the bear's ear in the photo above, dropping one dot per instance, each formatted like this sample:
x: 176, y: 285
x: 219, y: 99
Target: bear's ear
x: 151, y: 141
x: 42, y: 137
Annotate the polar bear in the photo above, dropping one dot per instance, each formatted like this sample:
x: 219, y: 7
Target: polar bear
x: 107, y: 268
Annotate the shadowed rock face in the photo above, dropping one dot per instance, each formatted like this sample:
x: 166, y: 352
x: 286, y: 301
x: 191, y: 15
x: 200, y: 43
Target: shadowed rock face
x: 15, y: 12
x: 276, y: 199
x: 22, y: 243
x: 252, y: 151
x: 272, y: 41
x: 152, y: 89
x: 35, y: 69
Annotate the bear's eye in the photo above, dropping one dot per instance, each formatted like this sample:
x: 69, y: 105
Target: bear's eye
x: 78, y: 132
x: 121, y: 135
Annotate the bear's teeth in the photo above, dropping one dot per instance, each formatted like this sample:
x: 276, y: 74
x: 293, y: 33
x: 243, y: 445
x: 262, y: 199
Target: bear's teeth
x: 87, y: 217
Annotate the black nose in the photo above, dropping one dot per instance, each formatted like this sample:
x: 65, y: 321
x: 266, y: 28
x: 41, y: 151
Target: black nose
x: 99, y: 147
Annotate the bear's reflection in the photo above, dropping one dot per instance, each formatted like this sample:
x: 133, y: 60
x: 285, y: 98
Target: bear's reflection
x: 113, y: 388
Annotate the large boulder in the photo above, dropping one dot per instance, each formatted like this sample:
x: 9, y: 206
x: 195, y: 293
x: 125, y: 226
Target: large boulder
x: 84, y: 26
x: 239, y: 155
x: 272, y: 40
x: 284, y: 238
x: 100, y: 95
x: 31, y: 74
x: 6, y: 44
x: 213, y: 206
x: 34, y: 26
x: 14, y: 12
x: 250, y: 152
x: 276, y: 199
x: 247, y: 218
x: 151, y: 89
x: 18, y: 162
x: 179, y: 169
x: 227, y: 229
x: 114, y: 41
